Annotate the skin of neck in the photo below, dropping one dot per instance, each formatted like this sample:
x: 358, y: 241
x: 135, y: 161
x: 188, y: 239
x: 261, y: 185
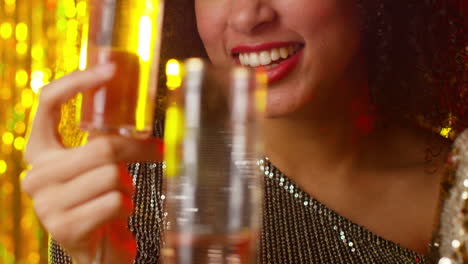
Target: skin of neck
x: 328, y: 134
x: 335, y: 150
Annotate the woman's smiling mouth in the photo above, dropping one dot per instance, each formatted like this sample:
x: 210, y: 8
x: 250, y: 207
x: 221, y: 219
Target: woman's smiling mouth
x: 278, y: 59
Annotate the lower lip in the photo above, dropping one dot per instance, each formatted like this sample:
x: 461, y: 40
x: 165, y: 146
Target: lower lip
x: 284, y: 68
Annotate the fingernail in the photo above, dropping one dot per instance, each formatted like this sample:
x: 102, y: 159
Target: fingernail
x: 105, y: 70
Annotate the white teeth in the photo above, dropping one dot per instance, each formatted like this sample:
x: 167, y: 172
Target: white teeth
x: 241, y: 59
x: 244, y: 59
x: 265, y: 58
x: 275, y: 55
x: 253, y: 60
x: 283, y: 53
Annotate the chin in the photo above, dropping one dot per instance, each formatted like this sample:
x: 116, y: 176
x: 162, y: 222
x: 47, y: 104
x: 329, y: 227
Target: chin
x: 283, y: 102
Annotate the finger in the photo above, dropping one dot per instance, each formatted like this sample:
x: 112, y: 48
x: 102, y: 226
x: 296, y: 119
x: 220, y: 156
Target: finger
x: 44, y: 129
x: 82, y: 189
x: 90, y: 185
x: 87, y: 218
x: 99, y: 152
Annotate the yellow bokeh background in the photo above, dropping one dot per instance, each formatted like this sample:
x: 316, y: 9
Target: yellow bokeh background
x: 39, y: 41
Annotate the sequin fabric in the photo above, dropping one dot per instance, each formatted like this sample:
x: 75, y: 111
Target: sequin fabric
x: 296, y: 228
x: 300, y: 229
x: 450, y: 245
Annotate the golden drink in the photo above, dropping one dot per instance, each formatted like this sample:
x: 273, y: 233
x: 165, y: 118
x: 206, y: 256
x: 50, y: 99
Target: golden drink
x: 126, y: 33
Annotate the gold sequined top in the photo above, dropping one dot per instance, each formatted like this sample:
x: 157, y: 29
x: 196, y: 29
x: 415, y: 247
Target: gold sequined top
x: 297, y: 229
x: 450, y: 242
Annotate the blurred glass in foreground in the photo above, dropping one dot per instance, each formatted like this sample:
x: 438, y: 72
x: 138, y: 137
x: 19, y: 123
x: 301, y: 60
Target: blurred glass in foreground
x: 213, y: 184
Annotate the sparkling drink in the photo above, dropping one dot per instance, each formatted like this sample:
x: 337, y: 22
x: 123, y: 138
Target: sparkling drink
x: 126, y: 33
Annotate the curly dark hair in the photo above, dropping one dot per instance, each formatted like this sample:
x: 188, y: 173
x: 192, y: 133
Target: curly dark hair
x: 416, y: 57
x: 415, y: 49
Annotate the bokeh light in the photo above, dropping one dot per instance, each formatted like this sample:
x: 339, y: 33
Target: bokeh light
x: 39, y: 42
x: 21, y: 78
x: 6, y: 30
x: 37, y: 80
x: 27, y: 98
x: 37, y: 52
x: 173, y: 74
x: 21, y: 32
x: 8, y: 138
x: 3, y: 166
x: 19, y: 143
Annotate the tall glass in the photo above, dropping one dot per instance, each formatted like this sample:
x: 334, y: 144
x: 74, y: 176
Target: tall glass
x: 126, y: 33
x: 214, y: 189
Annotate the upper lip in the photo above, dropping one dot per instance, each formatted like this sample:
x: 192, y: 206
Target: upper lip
x: 245, y: 48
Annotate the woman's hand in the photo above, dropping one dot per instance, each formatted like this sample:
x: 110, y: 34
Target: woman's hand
x: 77, y: 191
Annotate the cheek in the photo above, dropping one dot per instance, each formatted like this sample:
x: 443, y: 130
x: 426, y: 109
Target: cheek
x: 305, y: 15
x: 332, y: 35
x: 331, y: 31
x: 312, y: 18
x: 210, y: 22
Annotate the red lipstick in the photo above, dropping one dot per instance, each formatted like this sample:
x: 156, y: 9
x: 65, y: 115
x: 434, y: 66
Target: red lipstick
x: 283, y: 67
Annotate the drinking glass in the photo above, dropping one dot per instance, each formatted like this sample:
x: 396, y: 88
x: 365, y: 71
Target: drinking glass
x: 213, y: 185
x: 126, y: 33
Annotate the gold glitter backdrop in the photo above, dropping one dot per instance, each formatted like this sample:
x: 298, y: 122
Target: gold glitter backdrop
x: 39, y: 42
